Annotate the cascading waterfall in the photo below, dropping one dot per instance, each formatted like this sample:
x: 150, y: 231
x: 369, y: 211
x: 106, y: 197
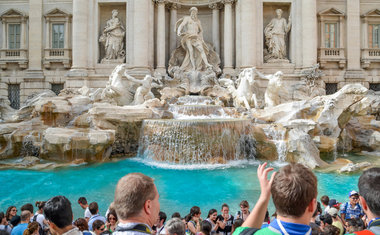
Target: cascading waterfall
x: 277, y: 135
x: 199, y: 134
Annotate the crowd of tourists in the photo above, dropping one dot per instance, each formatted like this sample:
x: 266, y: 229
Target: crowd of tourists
x: 136, y: 210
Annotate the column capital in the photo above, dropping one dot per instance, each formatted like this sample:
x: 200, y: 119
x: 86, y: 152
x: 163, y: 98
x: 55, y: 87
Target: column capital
x: 215, y: 6
x: 175, y: 6
x: 160, y: 1
x: 228, y: 1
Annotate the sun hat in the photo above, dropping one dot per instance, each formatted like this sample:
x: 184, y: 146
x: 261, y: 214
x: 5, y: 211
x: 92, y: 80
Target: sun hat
x: 353, y: 192
x: 332, y: 202
x: 332, y: 211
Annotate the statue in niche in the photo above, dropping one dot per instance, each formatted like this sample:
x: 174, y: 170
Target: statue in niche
x: 190, y: 28
x: 143, y: 92
x: 275, y: 34
x: 113, y: 39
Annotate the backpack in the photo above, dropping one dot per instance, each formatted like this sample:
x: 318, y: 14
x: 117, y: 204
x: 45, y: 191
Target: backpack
x: 41, y: 231
x: 249, y: 231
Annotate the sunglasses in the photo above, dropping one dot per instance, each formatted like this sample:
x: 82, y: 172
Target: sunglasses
x: 355, y: 198
x: 14, y: 210
x: 102, y: 228
x: 112, y: 218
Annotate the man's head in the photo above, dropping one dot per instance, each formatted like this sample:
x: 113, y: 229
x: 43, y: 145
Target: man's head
x: 193, y: 12
x: 161, y: 218
x: 294, y: 191
x: 369, y: 189
x: 244, y: 206
x: 58, y: 211
x: 28, y: 207
x: 98, y: 226
x: 175, y: 226
x: 94, y: 208
x: 325, y: 200
x: 333, y: 212
x: 136, y: 195
x: 325, y: 220
x: 82, y: 201
x: 354, y: 197
x: 279, y: 13
x: 25, y: 216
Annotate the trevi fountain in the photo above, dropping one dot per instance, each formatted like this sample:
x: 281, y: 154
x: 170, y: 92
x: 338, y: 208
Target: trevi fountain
x: 194, y: 119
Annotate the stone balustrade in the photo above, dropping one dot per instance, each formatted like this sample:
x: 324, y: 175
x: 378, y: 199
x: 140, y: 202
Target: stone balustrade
x: 57, y: 55
x: 326, y: 55
x: 19, y: 56
x: 370, y: 55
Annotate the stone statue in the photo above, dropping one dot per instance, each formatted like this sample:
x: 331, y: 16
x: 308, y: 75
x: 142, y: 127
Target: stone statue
x: 113, y: 39
x: 275, y: 33
x: 274, y: 89
x: 143, y: 92
x: 116, y: 88
x: 190, y: 29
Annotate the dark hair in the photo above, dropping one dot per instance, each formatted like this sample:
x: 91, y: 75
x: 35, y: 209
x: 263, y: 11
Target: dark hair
x: 293, y: 188
x: 195, y: 210
x: 32, y: 227
x: 315, y: 230
x: 15, y: 220
x: 317, y: 209
x: 327, y: 219
x: 27, y: 207
x: 1, y: 216
x: 244, y: 203
x: 3, y: 232
x: 356, y: 224
x: 369, y: 189
x: 205, y: 227
x: 93, y: 207
x: 8, y: 212
x: 112, y: 212
x: 40, y: 205
x: 267, y: 219
x: 331, y: 230
x: 225, y: 205
x: 97, y: 224
x: 238, y: 223
x: 82, y: 200
x: 176, y: 215
x: 210, y: 212
x: 81, y: 224
x: 325, y: 199
x: 58, y: 210
x: 162, y: 216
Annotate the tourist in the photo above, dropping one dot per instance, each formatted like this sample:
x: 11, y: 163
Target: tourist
x: 213, y: 220
x: 40, y: 218
x: 32, y: 229
x: 111, y: 220
x: 330, y: 230
x: 176, y: 215
x: 175, y: 226
x: 351, y: 209
x: 244, y: 211
x: 369, y: 189
x: 82, y: 201
x: 60, y: 215
x: 136, y: 203
x: 336, y: 221
x: 25, y: 218
x: 94, y: 209
x: 237, y: 223
x: 161, y: 223
x: 4, y: 224
x: 205, y: 228
x: 266, y: 220
x: 313, y: 224
x: 325, y: 203
x: 28, y: 207
x: 82, y: 225
x: 98, y: 226
x: 227, y: 220
x: 193, y: 219
x: 10, y: 213
x: 325, y: 220
x: 294, y: 192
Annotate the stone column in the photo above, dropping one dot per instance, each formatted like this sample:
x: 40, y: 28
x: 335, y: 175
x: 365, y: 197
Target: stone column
x: 23, y: 30
x: 173, y: 33
x: 365, y: 32
x: 47, y: 37
x: 309, y: 32
x: 4, y: 34
x: 228, y: 37
x: 35, y: 35
x: 323, y: 33
x: 215, y: 26
x: 160, y: 49
x: 248, y: 36
x: 66, y: 46
x: 341, y: 32
x: 80, y: 34
x: 353, y: 40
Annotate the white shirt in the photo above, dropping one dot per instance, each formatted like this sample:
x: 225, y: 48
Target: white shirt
x: 87, y: 213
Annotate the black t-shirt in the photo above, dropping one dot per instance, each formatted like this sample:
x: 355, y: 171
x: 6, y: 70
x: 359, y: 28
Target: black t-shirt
x: 228, y: 228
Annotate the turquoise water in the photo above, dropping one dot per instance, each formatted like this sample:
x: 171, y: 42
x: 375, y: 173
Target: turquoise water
x: 180, y: 187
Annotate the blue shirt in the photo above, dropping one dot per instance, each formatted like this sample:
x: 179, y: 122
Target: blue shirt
x: 19, y: 229
x: 93, y: 218
x: 351, y: 212
x: 291, y: 228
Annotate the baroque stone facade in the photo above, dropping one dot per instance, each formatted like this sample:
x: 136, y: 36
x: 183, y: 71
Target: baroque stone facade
x: 58, y: 45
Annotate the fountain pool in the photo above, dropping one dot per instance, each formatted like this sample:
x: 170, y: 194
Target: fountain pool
x: 180, y: 186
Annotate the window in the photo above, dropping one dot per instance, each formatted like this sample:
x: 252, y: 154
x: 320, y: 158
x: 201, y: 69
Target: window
x: 58, y: 36
x: 14, y: 33
x: 374, y: 35
x: 374, y: 86
x: 14, y: 95
x: 331, y: 35
x: 57, y: 88
x: 331, y: 88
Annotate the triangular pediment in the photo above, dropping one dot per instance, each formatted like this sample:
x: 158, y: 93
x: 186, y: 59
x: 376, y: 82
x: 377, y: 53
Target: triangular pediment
x: 12, y: 13
x: 372, y: 13
x: 57, y: 12
x: 332, y: 12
